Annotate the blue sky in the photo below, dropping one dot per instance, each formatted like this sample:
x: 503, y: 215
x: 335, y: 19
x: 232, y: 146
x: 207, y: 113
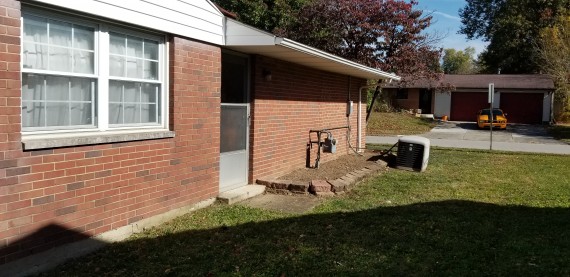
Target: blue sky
x: 447, y: 22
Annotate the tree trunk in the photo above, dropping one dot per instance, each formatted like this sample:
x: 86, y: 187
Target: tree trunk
x: 376, y: 93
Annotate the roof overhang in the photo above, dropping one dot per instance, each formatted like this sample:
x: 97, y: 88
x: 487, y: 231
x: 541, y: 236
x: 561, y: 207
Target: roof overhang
x: 503, y: 82
x: 247, y: 39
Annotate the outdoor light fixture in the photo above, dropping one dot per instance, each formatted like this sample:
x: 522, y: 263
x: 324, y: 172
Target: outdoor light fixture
x: 267, y: 75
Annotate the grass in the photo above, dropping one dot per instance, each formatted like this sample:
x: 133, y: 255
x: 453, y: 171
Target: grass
x: 560, y: 132
x: 397, y: 124
x: 471, y: 213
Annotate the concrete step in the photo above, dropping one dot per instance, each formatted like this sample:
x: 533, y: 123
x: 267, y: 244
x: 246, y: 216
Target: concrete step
x: 240, y: 194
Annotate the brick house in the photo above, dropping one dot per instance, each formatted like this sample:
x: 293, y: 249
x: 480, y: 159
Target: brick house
x: 113, y: 115
x: 526, y: 98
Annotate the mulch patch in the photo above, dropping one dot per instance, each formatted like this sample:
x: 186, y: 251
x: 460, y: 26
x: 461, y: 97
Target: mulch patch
x: 334, y: 169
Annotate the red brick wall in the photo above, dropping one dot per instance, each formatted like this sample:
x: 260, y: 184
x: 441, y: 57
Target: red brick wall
x: 413, y: 101
x: 13, y: 163
x: 296, y: 100
x: 54, y: 196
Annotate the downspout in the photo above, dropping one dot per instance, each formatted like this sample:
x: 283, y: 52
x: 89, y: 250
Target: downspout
x: 349, y: 87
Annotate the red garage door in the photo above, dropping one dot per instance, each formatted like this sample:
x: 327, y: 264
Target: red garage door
x: 464, y: 105
x: 522, y: 107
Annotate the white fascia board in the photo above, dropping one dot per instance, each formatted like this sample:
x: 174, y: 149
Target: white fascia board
x: 327, y: 56
x: 199, y: 20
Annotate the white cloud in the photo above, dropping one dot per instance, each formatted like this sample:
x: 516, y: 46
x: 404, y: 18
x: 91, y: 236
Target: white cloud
x: 448, y: 16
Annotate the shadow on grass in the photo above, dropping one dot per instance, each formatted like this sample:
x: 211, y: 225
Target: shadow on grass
x: 443, y: 238
x: 560, y: 132
x: 387, y: 156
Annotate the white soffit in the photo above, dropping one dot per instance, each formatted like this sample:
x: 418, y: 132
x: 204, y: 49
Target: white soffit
x: 247, y: 39
x: 197, y: 19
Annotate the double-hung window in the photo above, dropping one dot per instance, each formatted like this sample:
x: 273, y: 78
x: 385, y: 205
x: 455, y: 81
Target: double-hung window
x: 88, y: 76
x: 59, y: 79
x: 134, y: 87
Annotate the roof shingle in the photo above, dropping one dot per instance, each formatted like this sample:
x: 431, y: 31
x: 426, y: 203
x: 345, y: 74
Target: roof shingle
x: 531, y: 81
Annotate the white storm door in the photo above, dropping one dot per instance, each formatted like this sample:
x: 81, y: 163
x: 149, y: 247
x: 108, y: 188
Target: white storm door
x: 234, y: 152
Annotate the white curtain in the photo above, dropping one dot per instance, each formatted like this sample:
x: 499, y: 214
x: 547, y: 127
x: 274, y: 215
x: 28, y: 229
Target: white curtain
x: 83, y: 55
x: 57, y: 101
x: 81, y: 104
x: 35, y: 38
x: 133, y: 102
x: 134, y: 54
x: 57, y: 105
x: 60, y: 52
x: 151, y: 60
x: 32, y: 101
x: 133, y: 57
x: 115, y: 102
x: 58, y: 46
x: 51, y: 101
x: 131, y: 94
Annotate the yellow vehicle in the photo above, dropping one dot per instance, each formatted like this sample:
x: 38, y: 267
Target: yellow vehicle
x: 499, y: 119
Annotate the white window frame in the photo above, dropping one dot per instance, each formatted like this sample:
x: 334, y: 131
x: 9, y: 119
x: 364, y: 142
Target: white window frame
x: 101, y: 124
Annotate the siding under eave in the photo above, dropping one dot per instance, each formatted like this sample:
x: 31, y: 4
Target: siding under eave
x: 197, y: 19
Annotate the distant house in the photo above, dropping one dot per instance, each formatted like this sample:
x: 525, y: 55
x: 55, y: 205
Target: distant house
x: 525, y: 98
x: 114, y: 113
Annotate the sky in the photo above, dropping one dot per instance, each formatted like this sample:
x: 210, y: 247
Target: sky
x: 446, y: 21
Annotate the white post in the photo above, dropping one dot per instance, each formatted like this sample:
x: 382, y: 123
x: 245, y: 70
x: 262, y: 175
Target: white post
x: 359, y: 120
x: 491, y: 100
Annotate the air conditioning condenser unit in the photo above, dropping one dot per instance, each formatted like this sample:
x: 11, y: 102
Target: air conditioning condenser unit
x: 413, y: 153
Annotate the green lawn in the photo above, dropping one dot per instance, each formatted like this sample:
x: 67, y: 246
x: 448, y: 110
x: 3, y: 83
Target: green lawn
x: 471, y: 213
x: 397, y: 124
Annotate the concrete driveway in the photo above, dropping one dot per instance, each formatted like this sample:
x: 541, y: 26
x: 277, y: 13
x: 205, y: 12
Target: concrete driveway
x: 517, y: 137
x: 517, y: 133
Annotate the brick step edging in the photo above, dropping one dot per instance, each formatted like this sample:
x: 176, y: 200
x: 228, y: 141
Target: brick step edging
x: 322, y: 187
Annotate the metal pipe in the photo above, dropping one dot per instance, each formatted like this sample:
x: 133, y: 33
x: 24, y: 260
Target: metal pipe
x: 329, y: 129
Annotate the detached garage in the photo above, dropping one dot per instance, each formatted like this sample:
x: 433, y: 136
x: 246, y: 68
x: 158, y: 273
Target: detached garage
x: 533, y: 104
x: 526, y: 99
x: 464, y: 105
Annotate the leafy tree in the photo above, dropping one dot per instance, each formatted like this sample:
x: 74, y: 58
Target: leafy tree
x: 554, y: 51
x: 459, y: 62
x: 512, y: 29
x: 268, y: 15
x: 389, y: 34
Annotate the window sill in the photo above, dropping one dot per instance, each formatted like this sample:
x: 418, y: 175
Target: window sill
x: 67, y: 140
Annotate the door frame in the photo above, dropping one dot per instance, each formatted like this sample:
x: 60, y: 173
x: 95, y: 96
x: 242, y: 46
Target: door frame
x: 247, y: 104
x: 426, y: 106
